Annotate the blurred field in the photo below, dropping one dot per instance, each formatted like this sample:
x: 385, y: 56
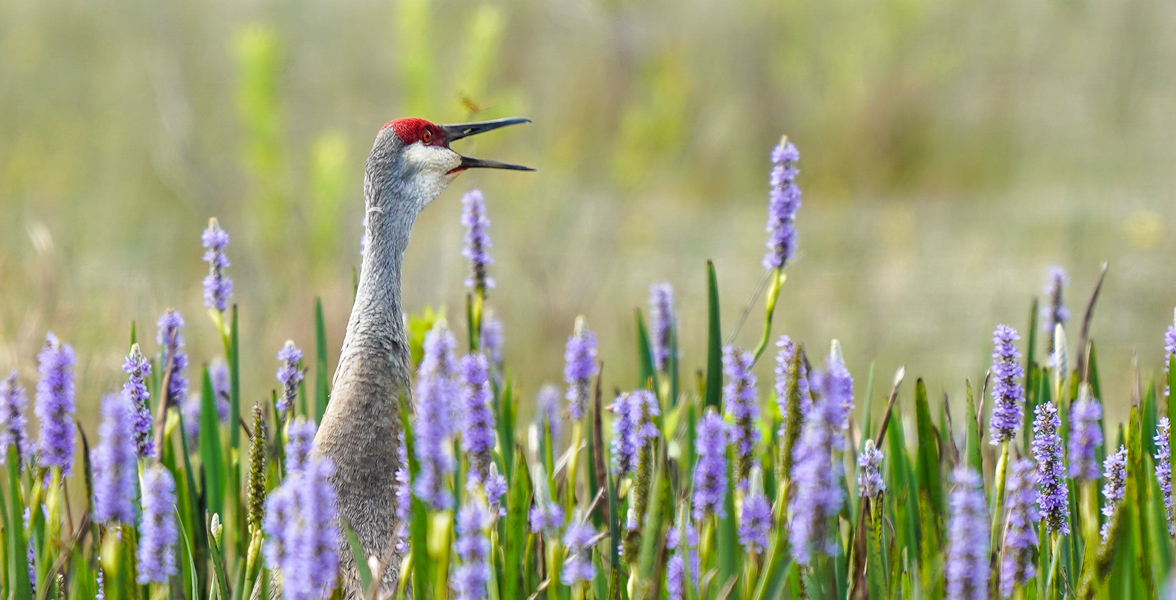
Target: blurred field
x: 951, y: 152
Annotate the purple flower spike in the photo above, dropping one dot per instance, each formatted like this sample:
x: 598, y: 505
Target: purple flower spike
x: 13, y: 422
x: 299, y: 444
x: 1163, y: 460
x: 870, y: 482
x: 289, y: 375
x: 218, y: 288
x: 1054, y: 496
x: 115, y: 469
x: 436, y: 395
x: 55, y: 405
x: 967, y: 546
x: 478, y: 436
x: 1085, y: 437
x: 218, y: 374
x: 741, y: 403
x: 545, y: 517
x: 157, y: 527
x: 783, y: 202
x: 472, y: 577
x: 403, y: 497
x: 632, y: 428
x: 301, y: 534
x: 1114, y: 488
x: 549, y: 405
x: 1007, y: 395
x: 684, y: 550
x: 784, y: 358
x: 580, y: 357
x: 491, y: 338
x: 756, y: 519
x: 477, y: 240
x: 1055, y: 313
x: 664, y: 322
x: 815, y: 472
x: 171, y: 340
x: 1169, y: 351
x: 138, y: 370
x: 191, y: 411
x: 710, y: 470
x: 578, y: 567
x: 1020, y: 539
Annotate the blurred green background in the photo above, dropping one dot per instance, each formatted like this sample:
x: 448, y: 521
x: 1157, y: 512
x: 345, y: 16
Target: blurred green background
x: 951, y: 152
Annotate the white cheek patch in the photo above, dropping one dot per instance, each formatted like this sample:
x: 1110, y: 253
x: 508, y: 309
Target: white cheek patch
x: 433, y: 164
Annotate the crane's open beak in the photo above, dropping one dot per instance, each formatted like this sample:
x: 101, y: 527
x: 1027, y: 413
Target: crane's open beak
x: 464, y: 130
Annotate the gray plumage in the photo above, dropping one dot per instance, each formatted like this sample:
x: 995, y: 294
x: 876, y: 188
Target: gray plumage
x: 361, y: 426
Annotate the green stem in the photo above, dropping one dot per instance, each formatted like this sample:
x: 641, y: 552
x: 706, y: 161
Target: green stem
x: 770, y: 309
x: 573, y: 462
x: 998, y: 508
x: 1055, y: 554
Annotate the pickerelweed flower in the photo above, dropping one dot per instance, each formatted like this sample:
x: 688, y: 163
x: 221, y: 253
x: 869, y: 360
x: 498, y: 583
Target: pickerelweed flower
x: 55, y: 405
x: 436, y: 394
x: 171, y: 340
x: 632, y: 429
x: 300, y: 441
x: 1053, y: 496
x: 1020, y: 538
x: 580, y: 368
x: 289, y: 375
x: 1055, y: 313
x: 403, y: 496
x: 545, y: 516
x: 967, y: 546
x: 1086, y: 436
x: 1163, y: 460
x: 870, y: 482
x: 578, y: 567
x: 755, y: 520
x: 218, y: 288
x: 710, y: 470
x: 218, y: 375
x: 477, y: 240
x: 157, y: 527
x: 685, y: 555
x: 115, y: 468
x: 495, y: 488
x: 1114, y: 488
x: 490, y: 342
x: 472, y: 577
x: 741, y: 403
x: 301, y: 535
x: 13, y: 422
x: 788, y: 383
x: 663, y: 321
x: 138, y: 369
x: 1007, y: 394
x: 190, y: 409
x: 548, y: 400
x: 793, y: 400
x: 258, y: 457
x: 815, y: 472
x: 1169, y: 352
x: 477, y: 437
x: 783, y: 202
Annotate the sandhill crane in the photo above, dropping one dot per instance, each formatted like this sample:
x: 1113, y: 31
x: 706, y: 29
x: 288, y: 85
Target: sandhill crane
x: 410, y: 164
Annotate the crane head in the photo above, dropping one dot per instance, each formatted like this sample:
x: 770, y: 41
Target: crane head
x: 416, y: 152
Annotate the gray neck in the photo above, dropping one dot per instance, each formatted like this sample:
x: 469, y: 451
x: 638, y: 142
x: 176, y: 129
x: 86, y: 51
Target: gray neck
x: 375, y: 338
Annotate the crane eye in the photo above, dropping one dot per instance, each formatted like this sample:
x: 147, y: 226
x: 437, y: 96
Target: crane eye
x: 427, y: 136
